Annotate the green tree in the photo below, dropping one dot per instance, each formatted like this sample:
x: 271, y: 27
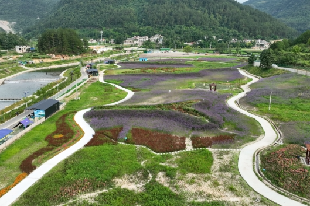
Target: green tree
x: 221, y: 47
x: 187, y: 49
x: 61, y: 41
x: 266, y: 59
x: 251, y: 59
x: 148, y: 44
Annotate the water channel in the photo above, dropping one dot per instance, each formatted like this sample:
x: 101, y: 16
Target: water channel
x: 29, y: 82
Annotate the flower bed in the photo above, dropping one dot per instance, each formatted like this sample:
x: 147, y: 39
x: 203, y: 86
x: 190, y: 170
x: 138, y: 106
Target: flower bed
x: 169, y: 121
x: 102, y: 137
x: 19, y: 178
x: 207, y: 142
x: 282, y: 166
x: 62, y: 126
x: 150, y: 65
x: 157, y: 141
x: 146, y: 81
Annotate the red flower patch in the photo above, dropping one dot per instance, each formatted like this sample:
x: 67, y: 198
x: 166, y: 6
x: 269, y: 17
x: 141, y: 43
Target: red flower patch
x: 158, y: 142
x: 203, y: 142
x: 284, y: 168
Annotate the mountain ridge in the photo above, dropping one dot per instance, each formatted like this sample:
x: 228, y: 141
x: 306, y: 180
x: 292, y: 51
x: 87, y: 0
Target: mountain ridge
x: 189, y: 19
x: 295, y: 13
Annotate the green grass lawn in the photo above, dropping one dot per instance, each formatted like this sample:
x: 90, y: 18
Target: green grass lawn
x: 264, y: 72
x: 7, y: 71
x: 97, y: 166
x: 198, y: 66
x: 93, y: 95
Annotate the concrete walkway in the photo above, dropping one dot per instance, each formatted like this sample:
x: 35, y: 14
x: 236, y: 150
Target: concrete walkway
x: 37, y: 174
x: 246, y: 161
x: 298, y: 71
x: 129, y: 95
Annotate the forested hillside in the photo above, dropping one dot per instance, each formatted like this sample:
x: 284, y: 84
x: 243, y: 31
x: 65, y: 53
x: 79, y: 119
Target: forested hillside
x: 25, y: 12
x: 187, y: 19
x: 295, y: 13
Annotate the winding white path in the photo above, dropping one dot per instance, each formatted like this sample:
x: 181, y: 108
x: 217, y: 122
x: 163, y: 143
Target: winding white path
x: 37, y: 174
x: 246, y: 161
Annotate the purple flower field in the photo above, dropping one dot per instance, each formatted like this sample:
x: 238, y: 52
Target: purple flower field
x: 288, y: 91
x: 169, y: 121
x: 144, y: 65
x: 147, y: 81
x: 154, y: 97
x: 210, y: 59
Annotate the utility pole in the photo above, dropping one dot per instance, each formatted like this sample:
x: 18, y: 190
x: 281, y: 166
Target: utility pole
x: 101, y: 32
x: 270, y: 100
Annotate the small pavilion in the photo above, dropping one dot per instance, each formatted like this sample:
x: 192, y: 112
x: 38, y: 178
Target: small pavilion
x: 212, y: 87
x: 308, y: 154
x: 26, y: 122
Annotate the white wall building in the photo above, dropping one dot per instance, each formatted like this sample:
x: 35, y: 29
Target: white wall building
x: 136, y: 40
x: 21, y: 49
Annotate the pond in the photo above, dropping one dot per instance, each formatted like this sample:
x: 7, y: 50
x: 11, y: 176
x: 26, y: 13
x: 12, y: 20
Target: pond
x: 28, y: 82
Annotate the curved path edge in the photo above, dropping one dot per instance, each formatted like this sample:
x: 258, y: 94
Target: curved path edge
x: 246, y: 158
x: 10, y: 197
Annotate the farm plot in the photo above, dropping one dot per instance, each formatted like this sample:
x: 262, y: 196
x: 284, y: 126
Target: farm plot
x: 290, y: 104
x: 210, y: 59
x: 152, y: 81
x: 208, y: 118
x: 126, y: 175
x: 138, y: 65
x: 162, y: 67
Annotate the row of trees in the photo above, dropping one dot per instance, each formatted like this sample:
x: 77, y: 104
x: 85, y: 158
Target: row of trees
x: 9, y: 40
x: 61, y: 41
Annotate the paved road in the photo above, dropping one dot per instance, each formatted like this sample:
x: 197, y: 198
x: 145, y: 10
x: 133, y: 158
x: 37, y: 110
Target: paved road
x: 298, y: 71
x: 21, y: 187
x: 246, y: 162
x: 12, y: 122
x: 61, y: 92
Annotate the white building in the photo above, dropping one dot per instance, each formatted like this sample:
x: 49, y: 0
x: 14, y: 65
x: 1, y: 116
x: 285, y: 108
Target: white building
x: 92, y: 41
x: 136, y: 40
x: 157, y: 39
x: 100, y: 49
x: 21, y: 49
x: 262, y: 44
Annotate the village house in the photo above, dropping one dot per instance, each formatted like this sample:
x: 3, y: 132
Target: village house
x: 22, y: 49
x: 139, y: 40
x: 136, y: 40
x: 261, y: 44
x: 92, y: 41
